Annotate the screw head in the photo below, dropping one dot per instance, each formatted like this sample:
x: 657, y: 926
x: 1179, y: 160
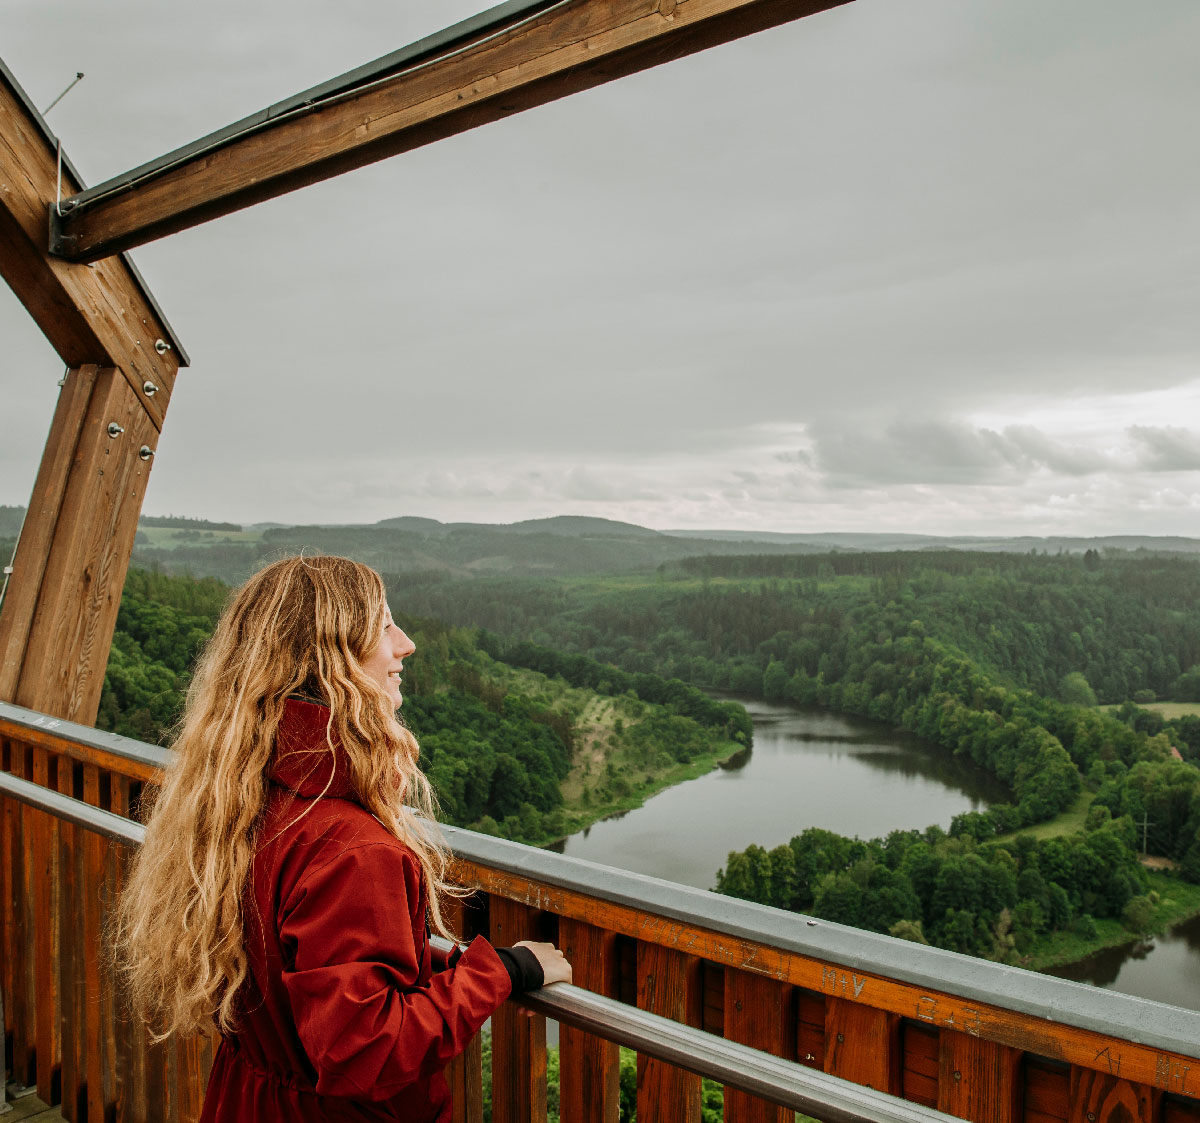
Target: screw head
x: 145, y: 452
x: 841, y: 1038
x: 958, y: 1076
x: 115, y: 430
x: 149, y: 389
x: 161, y: 346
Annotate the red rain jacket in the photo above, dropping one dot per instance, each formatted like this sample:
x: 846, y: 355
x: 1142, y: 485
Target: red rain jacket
x: 342, y: 1016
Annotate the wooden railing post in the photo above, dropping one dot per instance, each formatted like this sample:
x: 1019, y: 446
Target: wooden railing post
x: 518, y: 1040
x: 668, y: 984
x: 978, y: 1080
x: 862, y: 1044
x: 464, y: 1074
x: 1097, y: 1097
x: 758, y: 1012
x: 589, y: 1067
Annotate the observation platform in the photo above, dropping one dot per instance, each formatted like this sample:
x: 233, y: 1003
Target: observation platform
x: 789, y: 1012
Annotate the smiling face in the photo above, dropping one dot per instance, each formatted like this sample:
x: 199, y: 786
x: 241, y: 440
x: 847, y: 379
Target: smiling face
x: 387, y: 660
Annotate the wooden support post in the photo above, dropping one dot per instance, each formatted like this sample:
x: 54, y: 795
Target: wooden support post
x: 1098, y: 1097
x: 518, y: 1041
x: 758, y: 1012
x: 668, y: 984
x: 862, y: 1045
x: 589, y: 1066
x: 62, y: 601
x: 977, y: 1079
x: 70, y: 959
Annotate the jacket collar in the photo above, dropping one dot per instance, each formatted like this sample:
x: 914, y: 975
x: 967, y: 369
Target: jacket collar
x: 304, y: 764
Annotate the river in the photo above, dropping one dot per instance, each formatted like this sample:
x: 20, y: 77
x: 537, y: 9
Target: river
x: 811, y: 768
x: 808, y: 768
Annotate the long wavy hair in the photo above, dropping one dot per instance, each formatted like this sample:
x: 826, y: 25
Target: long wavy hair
x: 301, y: 624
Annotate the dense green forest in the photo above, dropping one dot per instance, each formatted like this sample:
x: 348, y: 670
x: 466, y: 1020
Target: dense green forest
x: 998, y: 658
x: 497, y: 746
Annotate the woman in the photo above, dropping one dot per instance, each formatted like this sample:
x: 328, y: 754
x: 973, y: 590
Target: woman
x: 291, y: 869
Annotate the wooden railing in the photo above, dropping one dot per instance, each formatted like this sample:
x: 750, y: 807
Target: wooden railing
x: 973, y: 1039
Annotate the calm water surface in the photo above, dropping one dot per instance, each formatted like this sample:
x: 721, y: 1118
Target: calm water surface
x: 808, y: 768
x: 1167, y: 969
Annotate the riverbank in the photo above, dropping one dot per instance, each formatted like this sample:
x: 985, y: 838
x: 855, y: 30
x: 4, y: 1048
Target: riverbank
x: 1178, y: 900
x: 625, y: 750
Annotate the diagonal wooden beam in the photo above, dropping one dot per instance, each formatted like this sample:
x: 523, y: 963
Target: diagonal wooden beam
x: 521, y: 55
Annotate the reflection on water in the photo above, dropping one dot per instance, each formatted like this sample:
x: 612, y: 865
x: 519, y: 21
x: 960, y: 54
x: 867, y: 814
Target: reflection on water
x: 807, y: 768
x: 1165, y: 969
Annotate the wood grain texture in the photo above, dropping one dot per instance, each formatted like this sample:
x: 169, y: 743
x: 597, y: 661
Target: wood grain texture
x: 919, y: 1081
x: 42, y: 884
x: 669, y: 984
x: 978, y: 1080
x: 761, y: 1013
x: 1098, y: 1097
x: 863, y: 1045
x: 518, y: 1040
x: 589, y: 1067
x: 66, y: 647
x: 464, y: 1074
x: 561, y: 51
x: 99, y: 314
x: 45, y: 738
x: 70, y: 956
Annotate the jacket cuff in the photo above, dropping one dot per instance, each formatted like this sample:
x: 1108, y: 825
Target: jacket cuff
x: 524, y: 970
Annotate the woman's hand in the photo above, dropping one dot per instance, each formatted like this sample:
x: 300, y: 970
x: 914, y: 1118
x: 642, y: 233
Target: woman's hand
x: 554, y: 964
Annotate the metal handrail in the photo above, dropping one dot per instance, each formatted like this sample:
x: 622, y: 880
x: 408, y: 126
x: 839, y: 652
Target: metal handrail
x: 1156, y: 1025
x: 736, y: 1066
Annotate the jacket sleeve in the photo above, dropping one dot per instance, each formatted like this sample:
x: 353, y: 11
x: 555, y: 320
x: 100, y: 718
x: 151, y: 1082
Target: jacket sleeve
x: 352, y: 948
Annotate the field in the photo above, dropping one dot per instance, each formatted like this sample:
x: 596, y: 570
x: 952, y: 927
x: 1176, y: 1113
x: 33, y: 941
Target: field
x: 1066, y: 822
x: 1168, y: 710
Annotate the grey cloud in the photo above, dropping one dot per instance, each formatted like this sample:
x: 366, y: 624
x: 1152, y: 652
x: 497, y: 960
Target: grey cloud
x: 1166, y: 448
x: 945, y: 452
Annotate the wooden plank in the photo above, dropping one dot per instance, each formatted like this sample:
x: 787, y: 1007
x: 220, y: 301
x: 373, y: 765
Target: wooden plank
x: 919, y: 1080
x: 589, y: 1067
x: 101, y: 314
x: 70, y: 983
x: 561, y: 51
x: 669, y: 985
x: 46, y: 738
x: 935, y: 1008
x: 29, y: 565
x: 1098, y: 1097
x: 136, y: 1068
x: 810, y: 1029
x: 758, y: 1012
x: 464, y: 1074
x: 8, y: 812
x: 19, y: 1004
x: 518, y: 1039
x: 62, y: 666
x: 1047, y: 1091
x: 978, y: 1080
x: 43, y: 884
x: 99, y: 1011
x: 1180, y: 1111
x: 863, y: 1045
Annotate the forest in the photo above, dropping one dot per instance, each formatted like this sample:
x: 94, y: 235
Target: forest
x: 496, y: 746
x: 1001, y: 659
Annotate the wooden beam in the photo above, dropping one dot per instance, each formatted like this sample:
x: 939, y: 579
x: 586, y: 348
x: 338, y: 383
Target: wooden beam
x: 60, y: 607
x: 563, y: 48
x: 101, y: 315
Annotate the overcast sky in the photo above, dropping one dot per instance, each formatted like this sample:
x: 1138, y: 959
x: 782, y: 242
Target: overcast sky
x: 926, y: 265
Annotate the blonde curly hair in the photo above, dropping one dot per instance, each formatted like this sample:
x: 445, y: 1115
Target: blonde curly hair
x: 301, y: 624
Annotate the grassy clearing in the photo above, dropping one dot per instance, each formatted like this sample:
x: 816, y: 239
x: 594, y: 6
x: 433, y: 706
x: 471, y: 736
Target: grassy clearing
x: 1166, y: 709
x: 1177, y: 900
x: 1065, y: 822
x: 171, y: 538
x: 611, y: 771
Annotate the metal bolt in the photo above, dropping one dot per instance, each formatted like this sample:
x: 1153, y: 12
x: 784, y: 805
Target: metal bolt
x: 115, y: 430
x: 149, y: 389
x: 145, y: 452
x: 738, y: 1005
x: 841, y: 1038
x: 958, y: 1076
x: 1091, y: 1116
x: 161, y: 346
